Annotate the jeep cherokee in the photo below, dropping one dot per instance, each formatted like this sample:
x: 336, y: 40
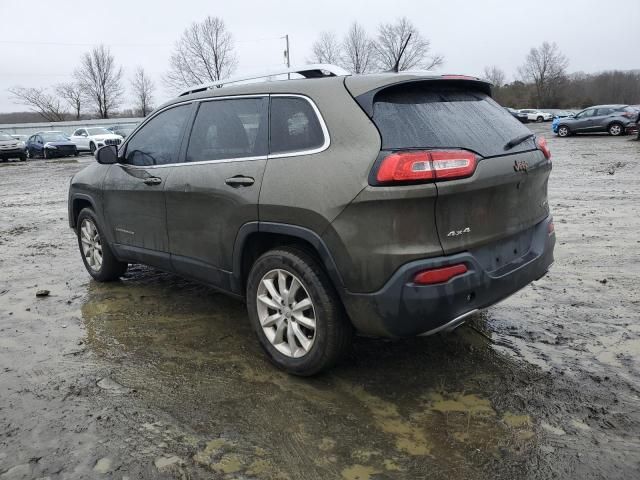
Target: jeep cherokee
x: 392, y: 204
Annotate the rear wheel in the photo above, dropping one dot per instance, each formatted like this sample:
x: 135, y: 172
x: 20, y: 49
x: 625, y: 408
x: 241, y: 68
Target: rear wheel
x: 296, y: 313
x: 97, y: 256
x: 563, y: 131
x: 615, y: 129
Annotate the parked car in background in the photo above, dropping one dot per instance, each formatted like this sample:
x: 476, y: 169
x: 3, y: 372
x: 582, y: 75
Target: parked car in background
x: 50, y: 144
x: 122, y: 130
x: 614, y: 119
x: 536, y: 115
x: 11, y: 148
x: 316, y: 201
x: 90, y: 139
x: 522, y: 117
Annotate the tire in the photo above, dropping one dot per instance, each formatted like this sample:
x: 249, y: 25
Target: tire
x: 540, y: 119
x: 615, y: 130
x: 28, y: 154
x: 563, y: 131
x: 23, y: 157
x: 109, y: 268
x: 332, y: 331
x: 45, y: 155
x: 76, y: 153
x: 92, y: 148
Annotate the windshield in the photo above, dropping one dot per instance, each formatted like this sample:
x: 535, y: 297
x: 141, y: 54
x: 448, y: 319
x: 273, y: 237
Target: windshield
x: 430, y: 116
x: 54, y: 137
x: 98, y: 131
x: 4, y: 137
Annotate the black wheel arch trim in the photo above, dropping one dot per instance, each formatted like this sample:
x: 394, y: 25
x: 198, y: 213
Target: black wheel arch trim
x: 237, y: 282
x: 72, y: 200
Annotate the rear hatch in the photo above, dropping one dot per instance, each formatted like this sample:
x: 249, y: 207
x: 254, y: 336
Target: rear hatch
x: 507, y: 192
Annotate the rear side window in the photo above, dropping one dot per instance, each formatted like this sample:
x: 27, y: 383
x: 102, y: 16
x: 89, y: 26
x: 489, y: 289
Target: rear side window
x: 226, y: 129
x: 158, y: 141
x: 430, y: 116
x: 604, y: 111
x: 294, y: 125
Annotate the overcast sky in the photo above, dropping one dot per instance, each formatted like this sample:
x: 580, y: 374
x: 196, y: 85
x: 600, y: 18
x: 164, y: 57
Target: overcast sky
x: 41, y: 41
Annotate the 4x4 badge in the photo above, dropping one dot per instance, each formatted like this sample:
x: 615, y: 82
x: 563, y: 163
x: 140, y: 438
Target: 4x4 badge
x: 520, y: 166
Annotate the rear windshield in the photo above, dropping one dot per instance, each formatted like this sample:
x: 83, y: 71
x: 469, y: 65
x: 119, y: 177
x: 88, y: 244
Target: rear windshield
x: 419, y: 116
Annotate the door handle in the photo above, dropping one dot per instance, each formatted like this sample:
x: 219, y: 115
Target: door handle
x: 153, y: 181
x: 239, y: 181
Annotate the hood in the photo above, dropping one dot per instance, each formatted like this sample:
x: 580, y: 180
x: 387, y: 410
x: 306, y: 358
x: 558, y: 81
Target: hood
x: 60, y: 143
x: 110, y: 136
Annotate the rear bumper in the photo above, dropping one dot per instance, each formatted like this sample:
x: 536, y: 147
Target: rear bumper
x: 402, y: 308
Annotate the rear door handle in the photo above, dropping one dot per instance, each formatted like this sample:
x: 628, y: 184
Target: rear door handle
x: 153, y: 181
x: 239, y: 181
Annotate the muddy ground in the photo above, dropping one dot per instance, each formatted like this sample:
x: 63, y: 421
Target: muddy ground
x: 158, y: 377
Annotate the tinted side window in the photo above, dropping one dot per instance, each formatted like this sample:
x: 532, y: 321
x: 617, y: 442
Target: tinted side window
x: 157, y: 142
x: 234, y: 128
x: 604, y: 111
x: 294, y: 125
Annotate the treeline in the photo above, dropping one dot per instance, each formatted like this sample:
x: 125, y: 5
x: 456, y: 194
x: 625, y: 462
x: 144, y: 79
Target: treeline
x: 575, y: 91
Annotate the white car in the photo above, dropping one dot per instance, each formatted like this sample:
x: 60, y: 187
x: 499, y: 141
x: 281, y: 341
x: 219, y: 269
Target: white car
x: 537, y: 115
x: 92, y: 138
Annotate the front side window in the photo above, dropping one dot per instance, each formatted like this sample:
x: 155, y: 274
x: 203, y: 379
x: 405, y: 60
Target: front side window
x: 227, y: 129
x: 158, y: 141
x: 294, y: 126
x: 586, y: 113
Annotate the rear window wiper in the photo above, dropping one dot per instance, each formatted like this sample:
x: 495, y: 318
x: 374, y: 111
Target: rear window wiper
x: 518, y: 140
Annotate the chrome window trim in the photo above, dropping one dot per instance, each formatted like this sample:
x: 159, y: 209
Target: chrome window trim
x: 323, y: 126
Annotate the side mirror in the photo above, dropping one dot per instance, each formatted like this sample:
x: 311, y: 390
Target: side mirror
x: 107, y: 155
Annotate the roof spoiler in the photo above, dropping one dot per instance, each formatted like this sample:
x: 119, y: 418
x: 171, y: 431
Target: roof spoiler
x: 366, y: 100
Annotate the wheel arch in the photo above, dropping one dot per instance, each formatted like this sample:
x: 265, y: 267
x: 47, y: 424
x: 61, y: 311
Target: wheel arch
x: 77, y: 203
x: 255, y: 238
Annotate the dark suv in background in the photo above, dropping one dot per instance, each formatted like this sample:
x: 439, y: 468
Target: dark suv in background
x: 392, y: 204
x: 614, y: 119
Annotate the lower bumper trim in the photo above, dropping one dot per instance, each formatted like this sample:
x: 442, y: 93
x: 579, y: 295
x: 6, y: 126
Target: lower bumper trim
x: 450, y: 326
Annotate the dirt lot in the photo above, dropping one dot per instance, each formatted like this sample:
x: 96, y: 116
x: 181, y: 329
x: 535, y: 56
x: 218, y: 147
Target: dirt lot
x: 157, y: 377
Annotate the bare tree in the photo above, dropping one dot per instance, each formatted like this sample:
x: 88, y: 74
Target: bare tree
x: 358, y: 50
x: 326, y: 49
x: 494, y: 75
x: 545, y: 67
x: 71, y: 92
x: 40, y: 101
x: 100, y: 80
x: 391, y: 40
x: 204, y: 53
x: 143, y: 88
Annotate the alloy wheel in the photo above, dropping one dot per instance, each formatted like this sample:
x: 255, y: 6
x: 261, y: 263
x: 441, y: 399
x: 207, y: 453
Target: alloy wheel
x: 615, y: 130
x: 91, y: 244
x: 286, y: 313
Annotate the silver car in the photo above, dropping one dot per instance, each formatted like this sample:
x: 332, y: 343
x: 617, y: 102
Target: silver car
x: 614, y: 119
x: 11, y: 148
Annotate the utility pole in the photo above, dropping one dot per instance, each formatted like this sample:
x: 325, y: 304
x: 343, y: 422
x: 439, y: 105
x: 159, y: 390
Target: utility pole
x: 287, y: 56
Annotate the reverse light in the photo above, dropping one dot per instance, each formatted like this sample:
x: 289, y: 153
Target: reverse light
x: 544, y: 147
x: 415, y: 166
x: 439, y: 275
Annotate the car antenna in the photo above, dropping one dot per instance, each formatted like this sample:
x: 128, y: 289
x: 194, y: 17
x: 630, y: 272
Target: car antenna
x: 397, y: 65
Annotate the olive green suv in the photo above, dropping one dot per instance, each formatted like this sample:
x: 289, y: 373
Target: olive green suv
x: 392, y: 204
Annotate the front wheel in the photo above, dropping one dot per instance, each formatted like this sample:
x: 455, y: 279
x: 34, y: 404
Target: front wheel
x: 45, y: 155
x: 615, y: 129
x: 23, y: 157
x: 28, y: 153
x: 563, y: 131
x: 539, y: 119
x: 92, y: 148
x: 97, y: 256
x: 296, y: 313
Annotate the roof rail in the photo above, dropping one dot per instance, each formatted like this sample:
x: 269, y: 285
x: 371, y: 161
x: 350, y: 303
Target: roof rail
x: 314, y: 70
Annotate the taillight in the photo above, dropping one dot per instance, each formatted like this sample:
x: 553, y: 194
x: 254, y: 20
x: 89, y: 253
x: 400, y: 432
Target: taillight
x: 439, y: 275
x: 544, y: 147
x: 424, y: 165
